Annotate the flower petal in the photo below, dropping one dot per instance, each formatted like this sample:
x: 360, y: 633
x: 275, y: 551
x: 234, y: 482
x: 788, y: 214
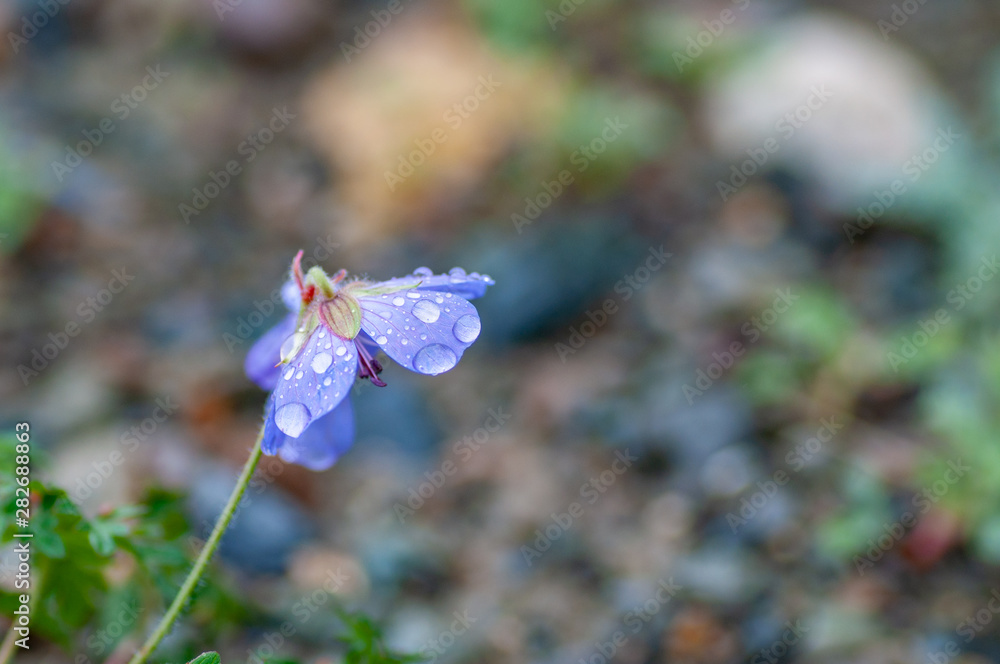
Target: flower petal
x: 291, y: 296
x: 263, y: 356
x: 314, y: 382
x: 320, y: 445
x: 470, y: 286
x: 424, y: 331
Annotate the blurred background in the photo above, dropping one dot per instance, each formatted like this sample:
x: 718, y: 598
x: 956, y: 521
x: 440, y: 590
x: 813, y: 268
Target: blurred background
x: 737, y: 389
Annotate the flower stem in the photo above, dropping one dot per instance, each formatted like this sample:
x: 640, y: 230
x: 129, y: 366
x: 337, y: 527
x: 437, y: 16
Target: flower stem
x: 206, y: 554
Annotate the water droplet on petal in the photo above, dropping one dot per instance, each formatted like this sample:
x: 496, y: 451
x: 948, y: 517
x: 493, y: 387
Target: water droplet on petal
x: 403, y: 341
x: 292, y: 418
x: 423, y: 337
x: 426, y: 311
x: 288, y: 374
x: 467, y: 328
x: 326, y: 383
x: 321, y: 362
x: 340, y: 351
x: 413, y: 295
x: 299, y: 375
x: 434, y: 359
x: 381, y: 340
x: 439, y: 299
x: 423, y: 272
x: 398, y: 301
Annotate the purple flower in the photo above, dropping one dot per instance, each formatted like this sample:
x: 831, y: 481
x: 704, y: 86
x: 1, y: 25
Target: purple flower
x: 310, y: 360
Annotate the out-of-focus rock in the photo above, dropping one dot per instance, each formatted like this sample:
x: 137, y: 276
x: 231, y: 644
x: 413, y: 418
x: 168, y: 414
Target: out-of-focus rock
x: 265, y: 27
x: 445, y: 109
x: 835, y: 99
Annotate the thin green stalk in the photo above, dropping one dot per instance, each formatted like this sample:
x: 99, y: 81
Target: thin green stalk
x: 7, y: 647
x: 201, y: 563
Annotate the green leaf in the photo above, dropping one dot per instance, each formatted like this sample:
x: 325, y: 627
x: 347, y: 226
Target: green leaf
x: 207, y: 658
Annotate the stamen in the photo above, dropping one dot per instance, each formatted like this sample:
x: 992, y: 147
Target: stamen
x: 370, y: 367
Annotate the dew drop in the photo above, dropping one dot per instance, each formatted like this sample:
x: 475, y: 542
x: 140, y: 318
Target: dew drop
x: 321, y: 362
x: 299, y: 375
x: 398, y: 301
x: 381, y: 340
x: 423, y: 337
x: 340, y: 351
x: 426, y: 311
x: 439, y: 299
x: 467, y: 328
x: 326, y: 383
x: 292, y: 418
x: 423, y: 272
x: 288, y: 374
x: 434, y: 359
x: 413, y: 295
x: 403, y: 341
